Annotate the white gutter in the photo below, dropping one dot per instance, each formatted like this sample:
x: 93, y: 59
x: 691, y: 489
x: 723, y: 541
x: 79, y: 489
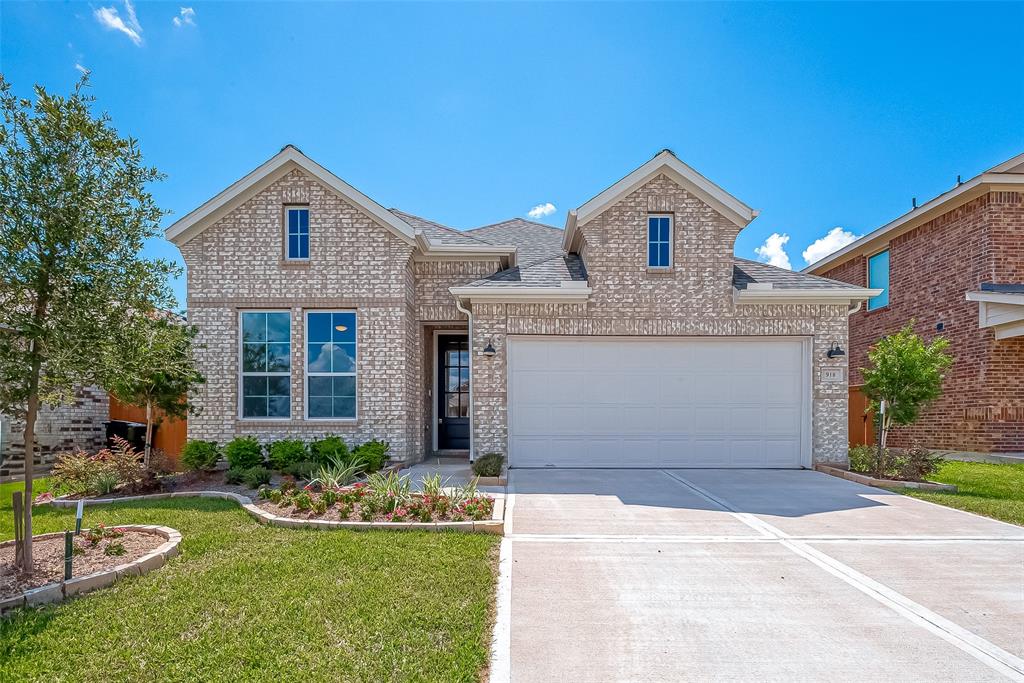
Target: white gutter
x: 802, y: 296
x: 570, y: 291
x: 472, y: 405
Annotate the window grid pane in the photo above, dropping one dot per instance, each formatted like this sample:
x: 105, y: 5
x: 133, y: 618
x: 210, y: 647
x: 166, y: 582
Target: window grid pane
x: 331, y: 365
x: 298, y: 233
x: 266, y: 364
x: 659, y: 241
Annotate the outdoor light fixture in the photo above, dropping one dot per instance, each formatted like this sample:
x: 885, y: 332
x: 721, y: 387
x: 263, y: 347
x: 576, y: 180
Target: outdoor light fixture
x: 340, y: 328
x: 835, y: 351
x: 489, y: 351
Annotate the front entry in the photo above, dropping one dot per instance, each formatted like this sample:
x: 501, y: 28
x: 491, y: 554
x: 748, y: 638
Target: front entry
x: 452, y: 392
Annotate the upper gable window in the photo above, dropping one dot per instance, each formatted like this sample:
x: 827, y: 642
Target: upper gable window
x: 659, y: 241
x: 297, y: 225
x: 878, y: 278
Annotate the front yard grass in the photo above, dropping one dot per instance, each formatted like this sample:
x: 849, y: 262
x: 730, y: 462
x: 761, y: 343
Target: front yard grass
x: 250, y: 602
x: 992, y: 490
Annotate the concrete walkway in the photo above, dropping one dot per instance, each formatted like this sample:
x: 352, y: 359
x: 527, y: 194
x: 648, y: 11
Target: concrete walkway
x: 696, y: 575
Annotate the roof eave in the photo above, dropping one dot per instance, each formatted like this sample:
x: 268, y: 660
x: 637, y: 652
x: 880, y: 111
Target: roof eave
x: 803, y: 296
x: 566, y: 293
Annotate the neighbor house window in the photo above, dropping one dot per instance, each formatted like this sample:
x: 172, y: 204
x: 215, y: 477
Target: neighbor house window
x: 297, y: 222
x: 878, y: 278
x: 659, y: 241
x: 266, y: 364
x: 331, y: 365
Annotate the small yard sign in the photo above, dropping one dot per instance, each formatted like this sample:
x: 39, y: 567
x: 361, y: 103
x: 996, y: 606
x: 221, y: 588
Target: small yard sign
x: 833, y: 375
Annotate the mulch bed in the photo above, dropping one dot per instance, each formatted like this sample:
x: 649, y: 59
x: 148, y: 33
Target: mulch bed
x: 48, y: 557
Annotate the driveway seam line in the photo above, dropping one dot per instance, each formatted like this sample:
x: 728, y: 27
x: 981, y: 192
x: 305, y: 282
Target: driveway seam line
x: 983, y: 650
x: 501, y: 639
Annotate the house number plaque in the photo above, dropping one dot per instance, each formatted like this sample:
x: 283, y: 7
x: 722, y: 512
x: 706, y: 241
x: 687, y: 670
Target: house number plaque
x: 833, y: 375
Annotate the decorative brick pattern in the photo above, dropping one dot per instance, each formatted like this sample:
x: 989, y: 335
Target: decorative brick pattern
x: 932, y: 267
x: 693, y: 299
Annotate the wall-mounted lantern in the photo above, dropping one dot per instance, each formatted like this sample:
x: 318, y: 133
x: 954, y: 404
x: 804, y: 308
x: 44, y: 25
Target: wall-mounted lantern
x: 489, y: 351
x: 836, y: 351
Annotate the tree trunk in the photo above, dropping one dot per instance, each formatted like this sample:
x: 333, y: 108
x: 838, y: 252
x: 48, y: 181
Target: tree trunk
x: 883, y: 433
x: 30, y: 456
x: 149, y: 433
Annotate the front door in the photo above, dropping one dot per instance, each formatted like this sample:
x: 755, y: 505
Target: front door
x: 453, y: 392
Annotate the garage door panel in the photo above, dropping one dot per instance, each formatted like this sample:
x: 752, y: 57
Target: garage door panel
x: 712, y: 402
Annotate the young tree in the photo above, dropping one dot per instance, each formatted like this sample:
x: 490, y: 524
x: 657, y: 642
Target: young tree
x: 75, y: 212
x: 150, y: 364
x: 907, y: 375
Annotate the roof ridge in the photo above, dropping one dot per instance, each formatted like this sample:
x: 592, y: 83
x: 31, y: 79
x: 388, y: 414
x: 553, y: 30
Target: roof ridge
x: 510, y: 220
x: 440, y: 226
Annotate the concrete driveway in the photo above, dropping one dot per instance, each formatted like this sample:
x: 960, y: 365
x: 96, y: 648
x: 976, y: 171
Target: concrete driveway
x: 694, y: 575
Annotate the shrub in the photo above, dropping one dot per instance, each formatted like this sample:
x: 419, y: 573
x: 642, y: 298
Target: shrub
x: 373, y: 454
x: 104, y: 483
x: 200, y: 455
x: 488, y: 465
x: 244, y: 452
x: 862, y: 459
x: 254, y: 477
x: 75, y: 472
x: 329, y: 497
x: 331, y: 448
x: 913, y: 464
x: 301, y: 470
x: 303, y: 501
x: 286, y: 452
x: 115, y: 549
x: 276, y: 496
x: 319, y: 506
x: 125, y: 461
x: 336, y: 475
x: 287, y: 483
x: 234, y: 475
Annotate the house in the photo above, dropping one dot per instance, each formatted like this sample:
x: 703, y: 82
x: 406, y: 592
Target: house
x: 954, y: 266
x: 633, y: 337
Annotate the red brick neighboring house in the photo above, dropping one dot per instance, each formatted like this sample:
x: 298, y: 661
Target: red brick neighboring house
x: 955, y: 265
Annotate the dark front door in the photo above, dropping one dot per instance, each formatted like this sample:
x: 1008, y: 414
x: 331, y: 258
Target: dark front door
x: 453, y: 392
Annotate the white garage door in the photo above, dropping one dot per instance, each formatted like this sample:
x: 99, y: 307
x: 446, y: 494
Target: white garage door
x: 710, y: 402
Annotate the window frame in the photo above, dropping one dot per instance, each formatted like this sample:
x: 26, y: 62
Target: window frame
x: 671, y: 240
x: 288, y: 208
x: 307, y: 374
x: 241, y: 374
x: 888, y: 286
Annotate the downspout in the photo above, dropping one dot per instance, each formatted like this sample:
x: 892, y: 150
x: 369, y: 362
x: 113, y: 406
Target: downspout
x: 851, y: 311
x: 472, y: 404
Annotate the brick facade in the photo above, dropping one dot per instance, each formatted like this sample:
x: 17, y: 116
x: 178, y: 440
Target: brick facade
x: 401, y: 298
x: 932, y: 267
x: 693, y: 299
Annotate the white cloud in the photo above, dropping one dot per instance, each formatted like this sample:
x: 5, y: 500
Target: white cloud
x: 773, y: 251
x: 81, y: 68
x: 109, y: 17
x: 541, y: 210
x: 186, y: 17
x: 833, y: 241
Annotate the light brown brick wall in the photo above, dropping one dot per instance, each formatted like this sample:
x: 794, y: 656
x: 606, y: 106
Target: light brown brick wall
x: 932, y: 267
x: 694, y: 299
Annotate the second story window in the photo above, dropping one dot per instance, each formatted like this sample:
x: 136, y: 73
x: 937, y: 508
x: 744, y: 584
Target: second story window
x: 297, y: 225
x: 659, y: 241
x: 878, y: 278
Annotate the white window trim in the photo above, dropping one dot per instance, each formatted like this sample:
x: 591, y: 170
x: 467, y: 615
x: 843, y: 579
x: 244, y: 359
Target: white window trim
x: 867, y: 278
x: 307, y: 374
x: 671, y: 241
x: 296, y: 207
x: 242, y: 373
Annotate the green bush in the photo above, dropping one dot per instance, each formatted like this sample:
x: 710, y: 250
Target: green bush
x: 910, y: 464
x: 331, y: 448
x: 301, y: 470
x: 235, y: 475
x: 200, y: 455
x: 244, y: 452
x: 254, y: 477
x: 287, y: 452
x: 373, y: 454
x: 488, y: 465
x: 862, y: 459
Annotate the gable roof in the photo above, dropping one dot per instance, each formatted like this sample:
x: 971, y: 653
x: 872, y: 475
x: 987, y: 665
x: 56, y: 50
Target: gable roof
x: 437, y: 233
x: 279, y: 165
x: 1008, y: 175
x: 668, y: 163
x: 534, y: 241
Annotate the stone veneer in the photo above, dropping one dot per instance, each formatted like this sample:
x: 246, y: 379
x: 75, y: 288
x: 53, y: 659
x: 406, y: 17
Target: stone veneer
x: 693, y: 298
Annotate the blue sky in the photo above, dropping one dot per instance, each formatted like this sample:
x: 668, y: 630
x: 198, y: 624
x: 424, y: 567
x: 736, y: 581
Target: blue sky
x: 820, y: 115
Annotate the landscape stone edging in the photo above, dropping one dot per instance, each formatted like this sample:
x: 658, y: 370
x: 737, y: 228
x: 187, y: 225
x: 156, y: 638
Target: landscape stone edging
x: 890, y: 484
x: 494, y: 525
x: 56, y: 592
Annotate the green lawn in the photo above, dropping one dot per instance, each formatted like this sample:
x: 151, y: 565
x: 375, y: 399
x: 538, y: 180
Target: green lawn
x: 248, y: 602
x: 986, y: 489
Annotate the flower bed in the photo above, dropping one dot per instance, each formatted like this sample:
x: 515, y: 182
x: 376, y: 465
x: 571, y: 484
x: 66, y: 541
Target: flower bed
x: 382, y: 498
x: 100, y: 557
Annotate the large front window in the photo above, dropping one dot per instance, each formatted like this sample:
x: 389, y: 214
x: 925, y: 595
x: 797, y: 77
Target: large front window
x: 266, y: 364
x: 331, y: 365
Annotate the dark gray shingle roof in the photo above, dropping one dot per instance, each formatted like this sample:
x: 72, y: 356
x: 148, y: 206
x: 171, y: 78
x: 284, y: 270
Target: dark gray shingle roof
x: 534, y: 241
x: 435, y: 232
x: 744, y: 272
x: 550, y: 272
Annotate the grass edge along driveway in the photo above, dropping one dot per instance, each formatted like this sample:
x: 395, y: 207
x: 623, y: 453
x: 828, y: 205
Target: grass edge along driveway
x: 992, y: 490
x: 245, y: 601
